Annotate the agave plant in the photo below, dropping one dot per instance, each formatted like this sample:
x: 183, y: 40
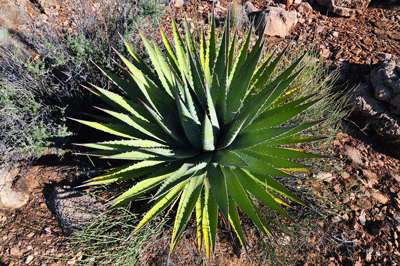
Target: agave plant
x: 205, y: 127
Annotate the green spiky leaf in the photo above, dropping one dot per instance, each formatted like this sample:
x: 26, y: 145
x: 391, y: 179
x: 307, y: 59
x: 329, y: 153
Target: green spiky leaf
x: 206, y: 125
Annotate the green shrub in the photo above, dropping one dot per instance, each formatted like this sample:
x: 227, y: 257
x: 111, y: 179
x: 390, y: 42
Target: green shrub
x: 24, y: 124
x: 206, y: 129
x: 50, y: 87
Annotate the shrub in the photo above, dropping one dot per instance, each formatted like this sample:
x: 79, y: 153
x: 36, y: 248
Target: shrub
x: 49, y: 85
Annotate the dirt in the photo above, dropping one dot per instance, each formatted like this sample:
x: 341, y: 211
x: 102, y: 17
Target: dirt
x: 367, y: 232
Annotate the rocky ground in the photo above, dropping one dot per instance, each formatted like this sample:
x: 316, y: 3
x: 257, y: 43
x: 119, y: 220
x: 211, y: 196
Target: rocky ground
x: 365, y: 233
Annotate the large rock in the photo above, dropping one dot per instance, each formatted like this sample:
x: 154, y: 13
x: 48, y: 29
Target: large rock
x: 385, y: 80
x: 12, y: 196
x: 73, y: 210
x: 374, y: 114
x: 275, y: 21
x: 345, y: 8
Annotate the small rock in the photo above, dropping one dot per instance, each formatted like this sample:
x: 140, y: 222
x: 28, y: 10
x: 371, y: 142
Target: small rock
x: 368, y: 255
x: 48, y: 231
x: 372, y: 178
x: 325, y: 176
x: 304, y: 7
x: 345, y: 175
x: 335, y: 34
x: 284, y: 240
x: 71, y: 262
x: 319, y: 29
x: 389, y: 64
x: 354, y: 155
x: 29, y: 259
x: 379, y: 197
x: 250, y: 8
x: 395, y: 176
x: 362, y: 217
x: 275, y: 21
x: 336, y: 219
x: 179, y: 3
x: 288, y: 2
x: 16, y: 252
x: 325, y: 53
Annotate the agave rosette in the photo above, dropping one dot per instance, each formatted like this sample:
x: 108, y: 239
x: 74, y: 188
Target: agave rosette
x: 195, y: 131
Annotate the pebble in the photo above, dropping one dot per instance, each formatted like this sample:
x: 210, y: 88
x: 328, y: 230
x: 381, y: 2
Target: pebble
x: 284, y: 240
x: 325, y: 176
x: 354, y: 155
x: 336, y: 219
x: 368, y: 256
x: 29, y: 259
x: 345, y: 175
x: 379, y: 197
x: 362, y: 217
x: 47, y: 230
x: 335, y: 34
x: 319, y: 29
x: 16, y: 252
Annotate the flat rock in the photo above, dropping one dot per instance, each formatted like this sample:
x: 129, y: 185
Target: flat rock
x: 344, y: 8
x: 325, y: 176
x: 73, y: 210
